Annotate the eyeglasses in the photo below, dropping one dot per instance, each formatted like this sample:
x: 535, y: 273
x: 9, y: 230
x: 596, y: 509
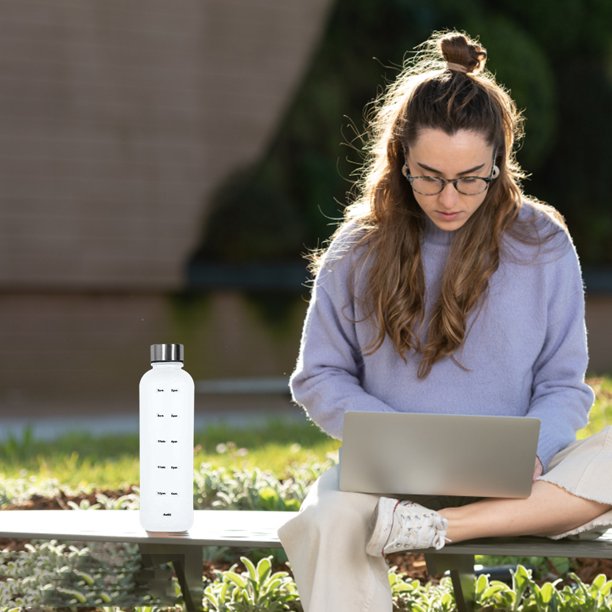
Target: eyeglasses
x: 465, y: 185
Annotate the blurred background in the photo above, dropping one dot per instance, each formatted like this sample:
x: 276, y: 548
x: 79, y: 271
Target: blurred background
x: 165, y: 166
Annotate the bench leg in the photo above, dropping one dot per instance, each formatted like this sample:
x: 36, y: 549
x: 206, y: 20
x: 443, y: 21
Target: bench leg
x: 187, y: 563
x: 461, y: 568
x: 158, y: 580
x: 188, y: 570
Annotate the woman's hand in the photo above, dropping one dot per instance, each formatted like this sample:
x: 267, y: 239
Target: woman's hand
x: 538, y: 469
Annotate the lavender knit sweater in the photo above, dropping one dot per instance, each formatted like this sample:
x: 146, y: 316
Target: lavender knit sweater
x: 525, y: 353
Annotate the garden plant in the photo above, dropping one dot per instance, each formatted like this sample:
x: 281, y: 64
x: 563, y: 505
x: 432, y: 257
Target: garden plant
x: 260, y: 468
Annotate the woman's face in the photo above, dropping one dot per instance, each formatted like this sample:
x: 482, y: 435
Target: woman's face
x: 437, y: 154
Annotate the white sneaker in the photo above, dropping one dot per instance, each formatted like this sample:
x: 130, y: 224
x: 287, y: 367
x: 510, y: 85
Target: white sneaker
x: 404, y: 525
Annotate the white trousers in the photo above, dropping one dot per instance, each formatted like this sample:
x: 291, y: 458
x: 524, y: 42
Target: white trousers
x: 326, y: 541
x: 326, y: 546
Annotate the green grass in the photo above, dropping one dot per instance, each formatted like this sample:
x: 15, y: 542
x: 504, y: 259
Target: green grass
x: 83, y: 461
x: 79, y: 460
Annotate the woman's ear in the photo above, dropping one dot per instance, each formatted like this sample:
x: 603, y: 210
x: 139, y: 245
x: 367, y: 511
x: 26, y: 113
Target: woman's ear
x: 405, y: 169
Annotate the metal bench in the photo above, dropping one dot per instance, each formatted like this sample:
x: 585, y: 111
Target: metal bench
x: 258, y: 529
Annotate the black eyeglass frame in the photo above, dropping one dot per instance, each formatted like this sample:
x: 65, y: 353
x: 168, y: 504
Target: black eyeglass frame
x: 487, y: 179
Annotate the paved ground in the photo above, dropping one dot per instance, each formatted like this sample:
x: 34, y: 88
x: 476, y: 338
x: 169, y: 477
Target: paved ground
x: 48, y: 422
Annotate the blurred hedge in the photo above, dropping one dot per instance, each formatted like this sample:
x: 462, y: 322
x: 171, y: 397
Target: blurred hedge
x: 554, y: 55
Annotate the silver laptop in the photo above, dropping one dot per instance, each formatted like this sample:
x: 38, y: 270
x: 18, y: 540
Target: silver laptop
x: 435, y: 454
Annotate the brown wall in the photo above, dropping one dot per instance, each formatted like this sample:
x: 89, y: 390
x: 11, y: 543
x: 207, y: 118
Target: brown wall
x: 84, y: 354
x: 599, y: 327
x: 118, y: 118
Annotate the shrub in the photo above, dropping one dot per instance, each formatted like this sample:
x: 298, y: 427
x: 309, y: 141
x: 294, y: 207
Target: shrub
x: 52, y: 574
x: 258, y: 588
x: 224, y: 488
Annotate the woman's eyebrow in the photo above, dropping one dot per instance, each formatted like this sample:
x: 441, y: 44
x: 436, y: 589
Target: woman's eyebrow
x: 468, y: 171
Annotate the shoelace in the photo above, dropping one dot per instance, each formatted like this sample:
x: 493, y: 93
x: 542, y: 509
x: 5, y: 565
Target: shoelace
x: 440, y: 525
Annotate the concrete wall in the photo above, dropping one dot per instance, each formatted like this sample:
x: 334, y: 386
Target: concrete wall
x: 118, y: 118
x: 85, y: 353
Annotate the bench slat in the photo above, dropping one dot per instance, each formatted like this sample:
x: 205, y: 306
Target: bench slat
x: 525, y: 546
x: 249, y: 528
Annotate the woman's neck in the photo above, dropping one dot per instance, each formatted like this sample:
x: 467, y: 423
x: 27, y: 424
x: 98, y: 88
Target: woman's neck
x: 432, y: 234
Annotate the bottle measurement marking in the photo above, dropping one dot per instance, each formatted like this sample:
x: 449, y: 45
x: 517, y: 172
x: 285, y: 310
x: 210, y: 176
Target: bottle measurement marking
x: 167, y: 514
x: 174, y: 416
x: 174, y: 467
x: 161, y: 467
x: 174, y: 441
x: 160, y: 390
x: 162, y: 441
x: 174, y: 390
x: 173, y: 493
x: 161, y: 492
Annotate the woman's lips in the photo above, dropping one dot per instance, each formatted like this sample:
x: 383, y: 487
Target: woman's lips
x: 448, y: 216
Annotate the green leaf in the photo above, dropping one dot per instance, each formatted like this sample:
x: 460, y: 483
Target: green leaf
x: 251, y: 569
x: 86, y: 578
x: 546, y: 592
x: 235, y: 578
x: 482, y: 582
x: 263, y: 568
x: 225, y: 589
x: 599, y: 581
x: 273, y: 585
x: 606, y: 588
x: 521, y: 581
x: 522, y: 575
x: 493, y: 589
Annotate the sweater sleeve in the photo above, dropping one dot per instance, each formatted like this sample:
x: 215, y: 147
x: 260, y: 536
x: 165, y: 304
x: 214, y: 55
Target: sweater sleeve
x: 326, y: 381
x: 560, y: 397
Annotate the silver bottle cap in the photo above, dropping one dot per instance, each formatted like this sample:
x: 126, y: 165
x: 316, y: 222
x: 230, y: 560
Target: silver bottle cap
x: 167, y: 352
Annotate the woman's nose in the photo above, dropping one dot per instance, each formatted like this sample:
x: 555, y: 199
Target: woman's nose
x: 448, y: 196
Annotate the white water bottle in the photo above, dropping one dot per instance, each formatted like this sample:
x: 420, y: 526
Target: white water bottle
x: 166, y: 442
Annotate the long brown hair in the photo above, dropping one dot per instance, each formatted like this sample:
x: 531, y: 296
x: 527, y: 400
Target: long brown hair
x: 428, y: 93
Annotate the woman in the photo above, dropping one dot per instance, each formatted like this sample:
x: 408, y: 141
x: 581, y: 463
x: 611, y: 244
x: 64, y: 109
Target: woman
x: 445, y: 289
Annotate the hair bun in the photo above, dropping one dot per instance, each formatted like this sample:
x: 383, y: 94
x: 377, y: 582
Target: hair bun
x: 462, y: 54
